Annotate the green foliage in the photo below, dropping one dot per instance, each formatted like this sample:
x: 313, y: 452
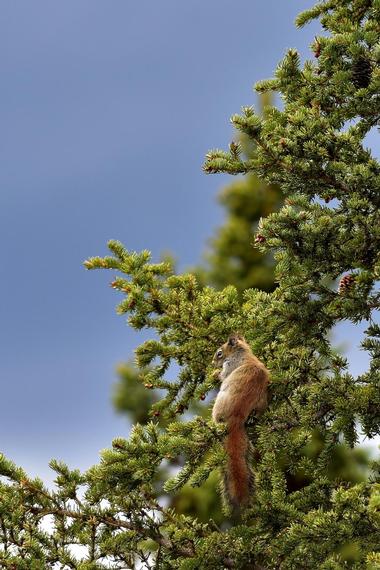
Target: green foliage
x: 131, y: 396
x: 316, y: 501
x: 232, y: 258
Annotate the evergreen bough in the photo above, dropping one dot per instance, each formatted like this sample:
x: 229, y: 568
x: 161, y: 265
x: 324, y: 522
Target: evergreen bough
x: 315, y: 505
x: 231, y: 258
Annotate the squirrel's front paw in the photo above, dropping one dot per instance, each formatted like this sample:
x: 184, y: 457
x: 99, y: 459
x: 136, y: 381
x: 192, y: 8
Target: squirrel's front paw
x: 216, y: 374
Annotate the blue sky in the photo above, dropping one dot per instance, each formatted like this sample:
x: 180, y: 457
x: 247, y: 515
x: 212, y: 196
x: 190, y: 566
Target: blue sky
x: 107, y: 110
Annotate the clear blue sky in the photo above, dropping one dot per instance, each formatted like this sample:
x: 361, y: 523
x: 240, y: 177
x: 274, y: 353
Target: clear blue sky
x: 107, y: 110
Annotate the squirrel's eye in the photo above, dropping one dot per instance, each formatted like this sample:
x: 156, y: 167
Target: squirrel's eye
x: 219, y: 353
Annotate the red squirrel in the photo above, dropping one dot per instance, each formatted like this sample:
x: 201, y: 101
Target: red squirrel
x: 244, y: 389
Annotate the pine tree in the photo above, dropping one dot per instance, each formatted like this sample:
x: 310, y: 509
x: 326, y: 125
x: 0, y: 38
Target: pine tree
x: 326, y: 242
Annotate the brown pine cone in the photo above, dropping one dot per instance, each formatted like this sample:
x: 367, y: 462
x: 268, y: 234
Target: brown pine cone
x: 345, y: 284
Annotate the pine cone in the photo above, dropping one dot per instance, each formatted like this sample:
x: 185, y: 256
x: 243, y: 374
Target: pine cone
x: 260, y: 238
x: 345, y: 284
x: 361, y: 72
x: 317, y: 47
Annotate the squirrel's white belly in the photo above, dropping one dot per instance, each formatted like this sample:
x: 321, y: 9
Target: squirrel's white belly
x: 221, y: 403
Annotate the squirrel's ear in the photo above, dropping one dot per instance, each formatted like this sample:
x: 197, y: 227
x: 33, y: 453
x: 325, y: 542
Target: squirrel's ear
x: 233, y: 339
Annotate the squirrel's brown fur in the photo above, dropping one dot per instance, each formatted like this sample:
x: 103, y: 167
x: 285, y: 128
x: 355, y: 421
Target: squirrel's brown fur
x: 244, y: 388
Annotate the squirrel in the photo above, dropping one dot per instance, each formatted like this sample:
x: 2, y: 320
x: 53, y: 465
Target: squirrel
x: 244, y: 389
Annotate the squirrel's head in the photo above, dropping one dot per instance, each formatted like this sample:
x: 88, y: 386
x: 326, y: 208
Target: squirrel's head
x: 235, y: 343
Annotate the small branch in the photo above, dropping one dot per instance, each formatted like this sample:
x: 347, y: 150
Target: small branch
x: 156, y: 536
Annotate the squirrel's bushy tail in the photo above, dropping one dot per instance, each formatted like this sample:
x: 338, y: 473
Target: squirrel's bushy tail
x: 238, y: 474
